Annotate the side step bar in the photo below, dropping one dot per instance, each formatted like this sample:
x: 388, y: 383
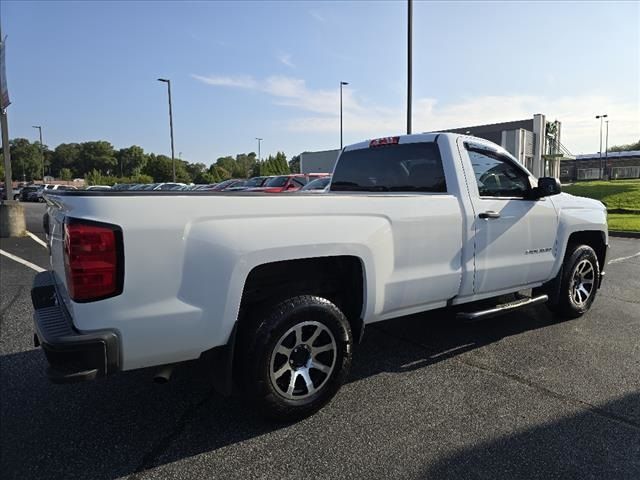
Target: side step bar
x: 504, y: 308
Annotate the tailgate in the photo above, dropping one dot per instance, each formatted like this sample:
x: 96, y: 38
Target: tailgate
x: 54, y: 228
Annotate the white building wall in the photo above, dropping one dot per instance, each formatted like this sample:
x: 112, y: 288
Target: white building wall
x: 318, y: 162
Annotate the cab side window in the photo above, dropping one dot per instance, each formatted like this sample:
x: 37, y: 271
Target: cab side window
x: 496, y: 176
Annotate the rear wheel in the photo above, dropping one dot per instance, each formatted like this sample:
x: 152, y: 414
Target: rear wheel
x: 577, y: 282
x: 297, y: 357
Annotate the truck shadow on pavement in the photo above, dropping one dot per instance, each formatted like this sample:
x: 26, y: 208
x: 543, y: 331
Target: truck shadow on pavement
x: 127, y: 425
x: 581, y: 446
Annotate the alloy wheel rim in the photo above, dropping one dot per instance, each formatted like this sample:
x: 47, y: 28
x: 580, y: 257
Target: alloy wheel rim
x: 582, y: 282
x: 303, y: 360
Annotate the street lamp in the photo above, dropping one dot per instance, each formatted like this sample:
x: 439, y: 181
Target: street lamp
x: 39, y: 127
x: 173, y: 158
x: 606, y: 142
x: 601, y: 118
x: 259, y: 140
x: 341, y: 85
x: 409, y: 61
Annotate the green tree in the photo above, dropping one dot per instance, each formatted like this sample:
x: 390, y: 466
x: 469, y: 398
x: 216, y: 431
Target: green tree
x: 275, y: 165
x: 159, y: 168
x: 625, y: 148
x: 26, y: 158
x: 66, y: 155
x: 294, y: 164
x: 140, y: 178
x: 131, y: 160
x: 282, y: 164
x: 66, y: 174
x: 98, y: 155
x: 218, y: 173
x: 94, y: 177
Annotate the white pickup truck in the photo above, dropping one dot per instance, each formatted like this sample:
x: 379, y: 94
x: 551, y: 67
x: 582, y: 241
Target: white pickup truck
x: 274, y: 290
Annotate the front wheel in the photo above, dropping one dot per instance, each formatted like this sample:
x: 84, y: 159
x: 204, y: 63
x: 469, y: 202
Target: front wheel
x: 578, y: 282
x: 297, y: 358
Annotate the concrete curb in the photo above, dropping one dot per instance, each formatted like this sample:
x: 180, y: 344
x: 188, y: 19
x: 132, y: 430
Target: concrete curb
x: 622, y: 234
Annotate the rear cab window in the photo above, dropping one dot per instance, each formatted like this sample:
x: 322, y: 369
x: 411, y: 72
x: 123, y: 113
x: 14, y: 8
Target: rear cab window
x: 406, y: 167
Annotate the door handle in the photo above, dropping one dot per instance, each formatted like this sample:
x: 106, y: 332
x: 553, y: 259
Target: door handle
x: 489, y: 214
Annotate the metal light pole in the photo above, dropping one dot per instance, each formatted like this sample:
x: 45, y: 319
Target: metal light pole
x: 341, y: 85
x: 41, y: 148
x: 6, y: 150
x: 606, y: 141
x: 409, y: 61
x: 601, y: 118
x: 173, y: 158
x: 259, y: 140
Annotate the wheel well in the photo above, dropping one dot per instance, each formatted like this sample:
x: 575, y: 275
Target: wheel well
x: 595, y: 239
x: 339, y: 279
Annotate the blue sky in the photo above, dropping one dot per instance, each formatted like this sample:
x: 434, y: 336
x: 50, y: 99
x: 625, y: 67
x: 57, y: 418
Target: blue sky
x: 240, y: 70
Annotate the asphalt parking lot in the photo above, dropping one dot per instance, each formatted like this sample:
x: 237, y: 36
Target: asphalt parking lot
x: 519, y: 396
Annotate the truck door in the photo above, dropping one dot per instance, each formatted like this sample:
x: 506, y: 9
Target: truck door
x: 514, y: 234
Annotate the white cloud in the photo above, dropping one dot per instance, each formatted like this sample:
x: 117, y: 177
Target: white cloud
x: 580, y: 130
x: 317, y: 15
x: 285, y: 59
x: 241, y: 81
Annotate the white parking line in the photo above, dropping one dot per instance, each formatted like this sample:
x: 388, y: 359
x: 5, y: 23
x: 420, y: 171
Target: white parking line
x: 37, y: 239
x: 622, y: 259
x: 22, y: 261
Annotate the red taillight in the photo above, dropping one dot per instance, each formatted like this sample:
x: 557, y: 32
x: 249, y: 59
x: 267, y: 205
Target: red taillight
x: 378, y: 142
x: 92, y: 260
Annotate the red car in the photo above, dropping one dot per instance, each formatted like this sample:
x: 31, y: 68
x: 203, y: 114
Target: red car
x: 283, y: 183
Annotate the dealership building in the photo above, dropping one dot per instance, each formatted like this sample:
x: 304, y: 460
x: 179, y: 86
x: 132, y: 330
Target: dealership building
x: 609, y: 165
x: 534, y: 142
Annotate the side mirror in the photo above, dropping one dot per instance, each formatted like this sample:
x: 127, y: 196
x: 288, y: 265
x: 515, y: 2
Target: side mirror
x: 548, y: 186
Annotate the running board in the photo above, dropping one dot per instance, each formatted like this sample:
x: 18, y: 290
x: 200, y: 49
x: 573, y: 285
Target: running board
x: 504, y: 308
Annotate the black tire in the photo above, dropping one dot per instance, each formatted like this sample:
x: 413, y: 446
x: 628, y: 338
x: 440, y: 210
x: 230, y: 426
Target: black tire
x: 260, y: 358
x: 565, y: 301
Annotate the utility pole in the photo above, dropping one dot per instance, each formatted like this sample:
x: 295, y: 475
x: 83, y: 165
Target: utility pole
x: 41, y: 149
x: 341, y: 85
x: 606, y: 142
x: 173, y: 158
x: 409, y: 61
x: 4, y: 125
x: 259, y: 140
x: 601, y: 118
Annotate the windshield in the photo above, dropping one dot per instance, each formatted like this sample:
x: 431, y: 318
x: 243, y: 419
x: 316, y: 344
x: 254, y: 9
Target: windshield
x: 317, y: 184
x: 276, y: 182
x: 255, y: 182
x: 226, y: 183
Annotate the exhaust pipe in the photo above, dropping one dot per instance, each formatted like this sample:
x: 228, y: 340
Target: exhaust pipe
x: 163, y: 374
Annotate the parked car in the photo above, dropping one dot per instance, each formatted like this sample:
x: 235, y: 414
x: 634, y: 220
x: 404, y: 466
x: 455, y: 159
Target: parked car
x: 122, y: 186
x: 15, y: 193
x: 48, y: 188
x: 30, y: 193
x: 232, y: 182
x: 274, y: 292
x: 319, y: 185
x: 282, y: 183
x: 144, y: 186
x: 169, y: 186
x: 204, y: 187
x: 254, y: 182
x: 98, y: 188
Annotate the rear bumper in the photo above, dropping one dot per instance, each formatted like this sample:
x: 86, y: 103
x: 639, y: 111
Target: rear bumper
x: 73, y: 355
